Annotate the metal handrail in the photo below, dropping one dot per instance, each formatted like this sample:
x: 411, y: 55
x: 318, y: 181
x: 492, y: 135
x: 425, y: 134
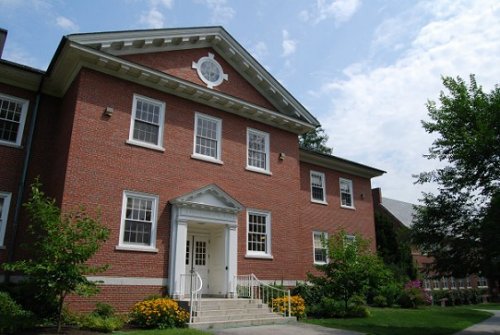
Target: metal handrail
x: 249, y: 286
x: 194, y: 293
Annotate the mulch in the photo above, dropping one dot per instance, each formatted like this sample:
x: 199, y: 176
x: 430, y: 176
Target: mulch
x: 53, y: 331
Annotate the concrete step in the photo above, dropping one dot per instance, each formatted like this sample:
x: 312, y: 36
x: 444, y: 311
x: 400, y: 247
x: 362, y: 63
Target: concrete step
x: 236, y: 317
x: 236, y: 311
x: 223, y: 304
x: 241, y: 323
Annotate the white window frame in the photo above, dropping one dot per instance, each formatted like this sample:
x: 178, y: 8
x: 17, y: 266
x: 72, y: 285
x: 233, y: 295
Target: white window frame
x: 323, y: 186
x: 482, y: 282
x: 324, y: 235
x: 260, y: 254
x: 349, y: 181
x: 161, y: 121
x: 218, y: 121
x: 267, y: 169
x: 6, y: 196
x: 22, y: 121
x: 154, y: 217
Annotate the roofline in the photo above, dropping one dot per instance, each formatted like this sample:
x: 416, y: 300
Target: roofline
x: 22, y: 66
x: 338, y: 163
x: 215, y: 37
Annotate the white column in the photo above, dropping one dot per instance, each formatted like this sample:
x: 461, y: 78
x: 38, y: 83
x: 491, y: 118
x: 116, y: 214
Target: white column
x: 179, y: 257
x: 232, y: 258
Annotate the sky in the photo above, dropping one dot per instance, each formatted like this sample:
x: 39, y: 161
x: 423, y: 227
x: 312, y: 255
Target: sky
x: 364, y: 68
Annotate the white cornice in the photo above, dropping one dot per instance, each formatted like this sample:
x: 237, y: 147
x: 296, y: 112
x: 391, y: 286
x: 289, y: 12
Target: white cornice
x: 147, y: 41
x: 17, y: 76
x: 73, y: 56
x: 339, y: 164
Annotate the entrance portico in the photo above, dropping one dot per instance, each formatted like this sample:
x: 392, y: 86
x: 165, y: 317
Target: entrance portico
x: 204, y: 237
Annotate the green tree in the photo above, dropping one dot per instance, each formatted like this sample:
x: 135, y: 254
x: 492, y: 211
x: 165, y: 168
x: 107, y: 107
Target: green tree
x: 60, y: 248
x: 451, y: 225
x: 352, y: 270
x: 393, y: 246
x: 315, y: 140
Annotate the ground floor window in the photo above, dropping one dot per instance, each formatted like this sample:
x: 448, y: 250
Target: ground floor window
x: 259, y: 233
x: 138, y: 223
x: 320, y: 247
x: 4, y: 213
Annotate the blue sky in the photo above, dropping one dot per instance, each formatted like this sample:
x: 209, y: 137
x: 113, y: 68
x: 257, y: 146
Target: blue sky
x: 364, y: 68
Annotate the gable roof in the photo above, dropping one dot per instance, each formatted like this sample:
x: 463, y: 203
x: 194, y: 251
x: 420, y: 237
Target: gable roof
x: 402, y: 211
x: 102, y: 52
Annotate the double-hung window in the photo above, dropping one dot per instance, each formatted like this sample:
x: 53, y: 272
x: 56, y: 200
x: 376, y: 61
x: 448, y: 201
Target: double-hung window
x: 12, y: 118
x: 318, y: 192
x: 258, y: 234
x: 207, y: 138
x: 346, y: 193
x: 138, y: 223
x: 257, y: 151
x: 4, y: 213
x: 146, y: 127
x: 320, y: 241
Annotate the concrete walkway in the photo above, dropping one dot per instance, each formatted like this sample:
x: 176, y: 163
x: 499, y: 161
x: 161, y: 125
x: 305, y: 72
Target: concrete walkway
x: 286, y: 329
x: 488, y: 326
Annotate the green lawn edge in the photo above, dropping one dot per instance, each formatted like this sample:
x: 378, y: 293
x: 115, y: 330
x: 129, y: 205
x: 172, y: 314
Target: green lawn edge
x: 397, y: 321
x: 173, y: 331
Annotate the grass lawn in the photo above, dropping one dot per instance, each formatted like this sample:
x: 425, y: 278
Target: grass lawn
x: 488, y: 306
x: 181, y: 331
x: 395, y: 321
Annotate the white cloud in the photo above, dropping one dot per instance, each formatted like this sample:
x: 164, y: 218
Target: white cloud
x: 339, y: 10
x: 259, y: 51
x: 66, y: 24
x: 152, y: 19
x: 168, y: 4
x: 221, y: 11
x: 376, y: 111
x: 289, y: 45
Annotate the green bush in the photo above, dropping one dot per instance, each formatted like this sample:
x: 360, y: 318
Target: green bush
x: 26, y: 294
x: 101, y: 319
x: 12, y: 316
x: 458, y: 297
x: 100, y: 323
x: 380, y: 301
x: 331, y: 308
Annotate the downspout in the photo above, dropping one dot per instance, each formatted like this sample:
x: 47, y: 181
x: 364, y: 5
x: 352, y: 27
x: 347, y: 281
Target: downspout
x: 24, y: 175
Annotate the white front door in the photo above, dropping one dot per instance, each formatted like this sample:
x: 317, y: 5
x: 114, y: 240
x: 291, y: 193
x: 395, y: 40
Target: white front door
x: 197, y: 258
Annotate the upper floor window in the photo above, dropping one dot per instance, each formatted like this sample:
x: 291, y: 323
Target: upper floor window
x: 138, y: 223
x: 258, y: 233
x: 207, y: 137
x: 4, y: 213
x: 318, y: 193
x: 346, y: 193
x: 257, y: 150
x: 320, y: 247
x: 12, y: 118
x: 146, y: 128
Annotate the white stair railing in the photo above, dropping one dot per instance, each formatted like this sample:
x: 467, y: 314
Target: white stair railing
x: 250, y: 287
x: 191, y: 286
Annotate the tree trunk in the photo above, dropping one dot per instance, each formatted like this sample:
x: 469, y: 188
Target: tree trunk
x: 59, y: 312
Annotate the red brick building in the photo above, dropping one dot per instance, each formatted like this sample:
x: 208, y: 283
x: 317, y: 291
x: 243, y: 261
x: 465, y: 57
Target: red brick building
x: 189, y: 147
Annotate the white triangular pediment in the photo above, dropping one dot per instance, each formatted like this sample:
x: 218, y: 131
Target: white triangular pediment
x: 210, y: 196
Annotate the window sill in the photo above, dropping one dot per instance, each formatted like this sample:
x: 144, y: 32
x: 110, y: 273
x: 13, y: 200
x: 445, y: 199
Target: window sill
x: 253, y: 169
x: 259, y: 256
x: 319, y: 202
x: 320, y: 263
x: 207, y: 159
x: 12, y: 145
x: 145, y: 145
x: 136, y: 248
x: 348, y: 207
